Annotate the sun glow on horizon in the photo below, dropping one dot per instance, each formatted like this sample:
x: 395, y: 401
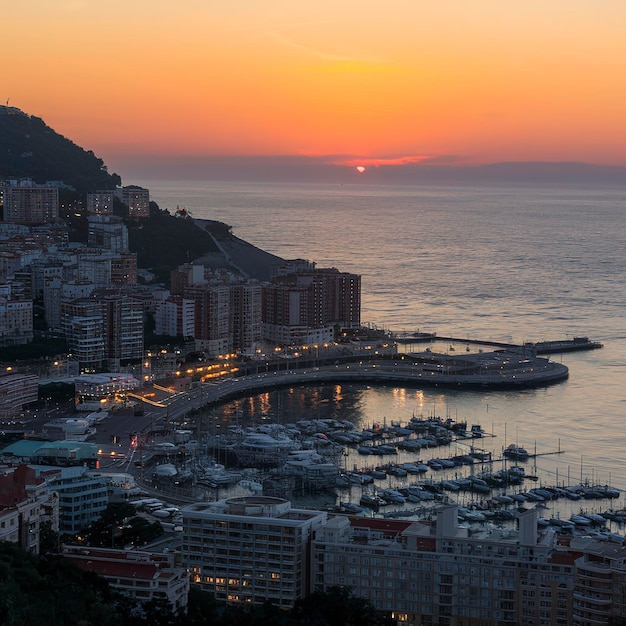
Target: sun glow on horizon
x: 323, y: 78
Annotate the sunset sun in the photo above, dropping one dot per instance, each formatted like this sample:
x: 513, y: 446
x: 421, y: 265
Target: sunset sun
x: 360, y: 169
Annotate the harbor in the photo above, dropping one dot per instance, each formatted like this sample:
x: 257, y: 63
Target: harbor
x: 394, y: 470
x: 245, y: 435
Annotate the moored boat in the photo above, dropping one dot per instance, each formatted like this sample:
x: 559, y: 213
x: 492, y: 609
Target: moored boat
x: 513, y: 451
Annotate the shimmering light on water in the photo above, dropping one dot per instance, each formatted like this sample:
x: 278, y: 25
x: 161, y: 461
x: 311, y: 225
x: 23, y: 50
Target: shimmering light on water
x: 494, y: 264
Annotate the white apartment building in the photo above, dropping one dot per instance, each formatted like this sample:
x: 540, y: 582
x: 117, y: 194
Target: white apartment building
x: 175, y: 316
x: 250, y: 549
x: 297, y: 335
x: 16, y: 322
x: 82, y: 497
x: 25, y: 502
x: 433, y: 574
x: 9, y: 524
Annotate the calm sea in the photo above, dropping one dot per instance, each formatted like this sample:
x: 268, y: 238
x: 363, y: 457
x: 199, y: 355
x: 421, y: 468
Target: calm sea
x: 508, y: 264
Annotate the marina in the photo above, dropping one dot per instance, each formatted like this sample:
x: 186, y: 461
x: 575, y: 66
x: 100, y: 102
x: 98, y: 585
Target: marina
x: 321, y: 462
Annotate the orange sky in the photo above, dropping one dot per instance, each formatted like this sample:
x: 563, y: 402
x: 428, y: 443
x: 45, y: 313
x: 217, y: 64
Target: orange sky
x: 479, y: 81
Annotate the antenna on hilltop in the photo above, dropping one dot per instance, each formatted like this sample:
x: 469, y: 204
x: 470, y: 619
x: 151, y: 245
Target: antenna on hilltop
x: 7, y: 102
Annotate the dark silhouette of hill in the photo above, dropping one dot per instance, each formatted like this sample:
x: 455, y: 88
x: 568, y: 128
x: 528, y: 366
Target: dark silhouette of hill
x: 165, y: 241
x: 31, y: 149
x: 236, y: 254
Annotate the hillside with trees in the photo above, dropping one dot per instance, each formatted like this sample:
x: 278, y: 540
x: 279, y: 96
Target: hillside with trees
x: 52, y: 591
x: 31, y: 149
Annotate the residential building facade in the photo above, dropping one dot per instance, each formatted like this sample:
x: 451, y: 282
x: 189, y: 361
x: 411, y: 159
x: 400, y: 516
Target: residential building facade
x: 139, y: 575
x: 100, y: 202
x: 137, y: 199
x: 175, y: 316
x: 250, y: 549
x: 25, y: 202
x: 17, y: 389
x: 16, y: 322
x: 107, y: 232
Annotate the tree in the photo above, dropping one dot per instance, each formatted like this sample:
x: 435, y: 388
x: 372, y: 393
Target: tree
x: 338, y: 607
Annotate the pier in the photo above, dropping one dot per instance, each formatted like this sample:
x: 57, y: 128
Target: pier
x: 539, y: 347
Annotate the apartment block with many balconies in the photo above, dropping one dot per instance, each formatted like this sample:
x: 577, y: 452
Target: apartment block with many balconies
x: 250, y: 549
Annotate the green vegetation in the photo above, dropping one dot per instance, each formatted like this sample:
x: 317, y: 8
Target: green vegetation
x: 119, y: 526
x: 55, y: 393
x: 30, y: 149
x: 164, y: 242
x: 37, y: 349
x: 52, y: 591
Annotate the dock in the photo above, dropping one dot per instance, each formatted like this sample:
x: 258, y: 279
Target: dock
x: 539, y: 347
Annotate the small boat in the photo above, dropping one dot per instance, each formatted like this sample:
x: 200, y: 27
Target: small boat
x: 415, y: 468
x: 391, y: 496
x: 518, y: 497
x: 399, y: 472
x: 476, y: 430
x: 371, y: 501
x: 513, y: 451
x: 377, y: 474
x: 570, y: 494
x: 504, y: 499
x: 594, y: 518
x: 447, y: 463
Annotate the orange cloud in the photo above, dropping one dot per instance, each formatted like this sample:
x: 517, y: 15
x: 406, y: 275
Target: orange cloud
x: 380, y: 161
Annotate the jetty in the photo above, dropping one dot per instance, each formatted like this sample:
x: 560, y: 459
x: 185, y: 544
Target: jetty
x: 539, y: 347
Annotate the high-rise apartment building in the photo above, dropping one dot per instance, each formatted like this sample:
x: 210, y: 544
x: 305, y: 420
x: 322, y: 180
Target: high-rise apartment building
x: 137, y: 199
x: 28, y: 203
x: 83, y: 326
x: 423, y: 573
x: 175, y: 317
x: 305, y: 307
x: 103, y: 330
x: 124, y: 328
x: 245, y: 310
x: 212, y: 330
x: 250, y: 549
